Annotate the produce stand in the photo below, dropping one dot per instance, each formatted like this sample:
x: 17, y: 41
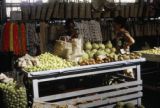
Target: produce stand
x: 128, y: 91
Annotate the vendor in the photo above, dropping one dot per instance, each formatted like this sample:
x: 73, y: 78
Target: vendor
x: 123, y: 39
x: 69, y: 31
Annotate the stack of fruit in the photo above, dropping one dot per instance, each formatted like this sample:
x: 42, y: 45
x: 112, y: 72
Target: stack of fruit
x: 13, y: 96
x: 155, y: 51
x: 96, y: 52
x: 48, y: 61
x: 103, y: 53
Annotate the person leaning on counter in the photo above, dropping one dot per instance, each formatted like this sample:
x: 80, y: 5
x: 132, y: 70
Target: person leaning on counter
x: 123, y: 40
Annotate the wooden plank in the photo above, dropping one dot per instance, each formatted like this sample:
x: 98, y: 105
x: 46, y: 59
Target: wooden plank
x: 25, y: 12
x: 50, y: 11
x: 132, y: 11
x: 75, y: 10
x: 112, y: 100
x: 136, y: 9
x: 82, y: 10
x: 88, y: 10
x: 55, y: 11
x: 68, y: 10
x: 87, y: 73
x: 44, y: 10
x: 112, y: 105
x: 62, y: 10
x: 88, y: 91
x: 33, y: 12
x: 103, y: 96
x: 38, y: 12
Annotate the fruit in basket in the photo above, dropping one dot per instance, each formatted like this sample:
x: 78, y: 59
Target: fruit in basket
x: 95, y: 46
x: 109, y: 44
x: 88, y: 46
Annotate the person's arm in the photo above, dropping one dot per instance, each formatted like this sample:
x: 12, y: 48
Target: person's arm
x: 130, y: 40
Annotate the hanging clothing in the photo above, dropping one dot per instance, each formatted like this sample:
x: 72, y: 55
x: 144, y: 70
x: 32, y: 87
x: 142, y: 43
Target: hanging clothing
x: 1, y: 37
x: 32, y: 39
x: 24, y: 42
x: 16, y: 40
x: 6, y: 36
x: 43, y: 36
x: 11, y: 45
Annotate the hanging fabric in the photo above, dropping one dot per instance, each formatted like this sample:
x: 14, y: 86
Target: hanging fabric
x: 16, y: 39
x: 68, y: 8
x: 1, y: 37
x: 43, y: 37
x: 23, y: 35
x: 32, y: 39
x: 6, y: 36
x: 50, y: 11
x: 11, y: 38
x: 61, y: 10
x: 75, y: 10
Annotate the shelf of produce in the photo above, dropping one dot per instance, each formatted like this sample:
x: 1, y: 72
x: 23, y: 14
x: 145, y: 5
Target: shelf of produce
x: 80, y: 69
x: 113, y: 93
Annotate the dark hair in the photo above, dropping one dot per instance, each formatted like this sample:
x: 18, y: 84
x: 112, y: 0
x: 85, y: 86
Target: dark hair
x: 120, y: 20
x: 68, y: 22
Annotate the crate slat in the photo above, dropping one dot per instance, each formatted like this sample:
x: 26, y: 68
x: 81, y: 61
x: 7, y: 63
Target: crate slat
x: 89, y: 91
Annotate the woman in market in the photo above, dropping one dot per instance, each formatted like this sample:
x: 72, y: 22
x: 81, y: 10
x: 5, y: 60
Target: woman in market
x: 123, y: 40
x: 69, y: 32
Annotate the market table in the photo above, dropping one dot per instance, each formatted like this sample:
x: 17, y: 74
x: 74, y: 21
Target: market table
x: 151, y: 57
x: 129, y: 91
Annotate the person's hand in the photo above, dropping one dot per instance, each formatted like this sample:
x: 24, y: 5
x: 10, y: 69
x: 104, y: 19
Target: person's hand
x: 126, y: 46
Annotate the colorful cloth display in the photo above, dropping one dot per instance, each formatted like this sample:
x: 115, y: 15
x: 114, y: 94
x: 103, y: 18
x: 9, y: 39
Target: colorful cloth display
x: 14, y: 38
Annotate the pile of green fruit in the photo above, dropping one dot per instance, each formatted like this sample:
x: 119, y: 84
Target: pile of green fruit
x: 127, y: 105
x: 97, y: 49
x: 155, y: 51
x: 13, y: 96
x: 48, y: 61
x: 103, y: 53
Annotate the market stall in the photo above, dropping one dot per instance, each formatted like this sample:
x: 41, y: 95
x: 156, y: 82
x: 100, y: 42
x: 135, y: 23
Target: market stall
x: 76, y: 53
x: 129, y: 90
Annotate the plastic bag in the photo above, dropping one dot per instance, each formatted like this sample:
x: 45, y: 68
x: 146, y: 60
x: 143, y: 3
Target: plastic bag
x: 77, y: 46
